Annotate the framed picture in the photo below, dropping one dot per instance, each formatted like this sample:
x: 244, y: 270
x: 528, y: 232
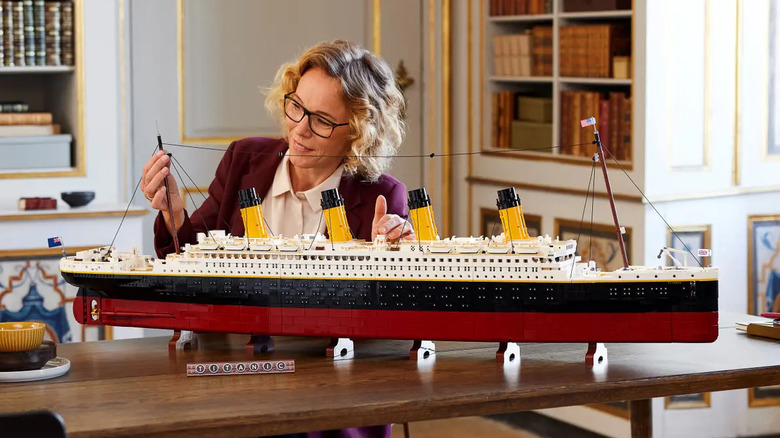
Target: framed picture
x: 31, y: 288
x: 688, y: 401
x: 618, y: 409
x: 600, y: 240
x: 490, y: 223
x: 763, y: 264
x: 692, y: 238
x: 764, y: 285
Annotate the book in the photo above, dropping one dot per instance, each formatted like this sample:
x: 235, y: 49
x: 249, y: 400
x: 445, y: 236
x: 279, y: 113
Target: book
x: 766, y: 329
x: 39, y: 31
x: 28, y: 130
x: 8, y: 33
x: 26, y: 119
x: 52, y: 34
x: 14, y: 107
x: 37, y: 204
x: 29, y: 32
x: 66, y: 29
x: 2, y: 36
x: 18, y: 33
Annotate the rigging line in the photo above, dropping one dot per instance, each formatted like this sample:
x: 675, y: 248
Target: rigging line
x: 178, y: 164
x: 317, y: 231
x: 267, y: 225
x: 582, y: 219
x: 431, y: 155
x: 129, y: 203
x: 208, y: 231
x: 417, y: 216
x: 592, y: 203
x: 398, y: 241
x: 651, y: 204
x: 328, y: 223
x: 493, y: 230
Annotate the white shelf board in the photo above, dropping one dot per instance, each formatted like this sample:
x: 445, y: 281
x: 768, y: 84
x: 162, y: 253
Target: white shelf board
x: 595, y: 15
x: 521, y: 18
x: 37, y: 69
x: 521, y: 79
x: 594, y: 81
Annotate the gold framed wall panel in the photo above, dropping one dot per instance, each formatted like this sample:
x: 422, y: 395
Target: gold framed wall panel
x: 440, y: 141
x: 735, y: 171
x: 618, y: 409
x: 755, y: 304
x: 543, y: 188
x: 765, y: 155
x: 490, y: 223
x: 603, y: 242
x: 688, y: 401
x: 757, y: 399
x: 225, y: 141
x: 758, y: 302
x: 704, y: 230
x: 706, y: 106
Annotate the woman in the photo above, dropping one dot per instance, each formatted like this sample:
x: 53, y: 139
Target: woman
x: 340, y: 111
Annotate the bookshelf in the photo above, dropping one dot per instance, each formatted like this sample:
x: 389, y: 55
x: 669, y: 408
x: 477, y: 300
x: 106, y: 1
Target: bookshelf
x: 582, y: 50
x: 51, y: 83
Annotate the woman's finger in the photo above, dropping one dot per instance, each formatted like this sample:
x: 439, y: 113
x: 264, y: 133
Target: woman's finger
x: 155, y: 184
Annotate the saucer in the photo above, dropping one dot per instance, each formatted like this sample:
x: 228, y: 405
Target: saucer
x: 53, y: 368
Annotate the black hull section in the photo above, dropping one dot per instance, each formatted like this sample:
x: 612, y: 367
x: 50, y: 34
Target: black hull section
x: 450, y: 296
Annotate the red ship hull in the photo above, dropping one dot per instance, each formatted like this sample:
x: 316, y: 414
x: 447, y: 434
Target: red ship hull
x: 395, y: 324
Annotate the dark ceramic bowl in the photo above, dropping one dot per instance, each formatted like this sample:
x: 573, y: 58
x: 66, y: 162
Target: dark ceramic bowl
x: 77, y: 199
x: 28, y: 360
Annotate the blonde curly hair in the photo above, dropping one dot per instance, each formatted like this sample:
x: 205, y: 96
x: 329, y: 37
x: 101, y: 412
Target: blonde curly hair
x: 372, y: 96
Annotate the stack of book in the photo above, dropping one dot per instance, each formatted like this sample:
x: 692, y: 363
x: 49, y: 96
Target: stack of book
x: 542, y: 50
x: 613, y: 120
x: 532, y: 128
x: 520, y: 7
x: 36, y: 33
x: 521, y: 122
x: 512, y: 54
x: 587, y: 51
x: 503, y: 112
x: 27, y: 124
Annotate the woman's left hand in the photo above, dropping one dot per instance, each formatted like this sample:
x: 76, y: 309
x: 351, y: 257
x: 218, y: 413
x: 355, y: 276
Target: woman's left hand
x: 391, y: 225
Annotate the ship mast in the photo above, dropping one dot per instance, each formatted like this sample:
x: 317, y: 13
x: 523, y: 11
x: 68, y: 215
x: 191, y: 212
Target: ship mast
x: 168, y: 196
x: 609, y: 193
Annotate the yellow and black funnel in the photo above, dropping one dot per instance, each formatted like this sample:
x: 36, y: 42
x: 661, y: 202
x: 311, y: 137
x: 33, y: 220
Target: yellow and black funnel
x: 421, y: 214
x: 335, y: 216
x: 511, y: 211
x: 252, y: 214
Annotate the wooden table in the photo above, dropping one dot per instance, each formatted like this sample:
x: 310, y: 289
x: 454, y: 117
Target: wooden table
x: 139, y: 388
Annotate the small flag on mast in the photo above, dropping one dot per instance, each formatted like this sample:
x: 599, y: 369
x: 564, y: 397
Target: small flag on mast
x: 705, y: 253
x: 55, y: 241
x: 587, y: 122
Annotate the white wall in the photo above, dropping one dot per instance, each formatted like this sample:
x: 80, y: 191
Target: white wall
x: 705, y: 139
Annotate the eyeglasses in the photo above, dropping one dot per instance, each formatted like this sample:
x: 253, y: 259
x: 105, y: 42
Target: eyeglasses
x: 318, y: 124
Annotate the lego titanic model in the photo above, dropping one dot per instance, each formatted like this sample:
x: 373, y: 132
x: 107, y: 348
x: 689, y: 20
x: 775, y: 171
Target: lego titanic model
x: 508, y: 288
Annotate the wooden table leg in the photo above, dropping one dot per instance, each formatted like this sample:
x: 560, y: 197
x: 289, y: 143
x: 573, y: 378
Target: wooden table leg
x: 641, y: 412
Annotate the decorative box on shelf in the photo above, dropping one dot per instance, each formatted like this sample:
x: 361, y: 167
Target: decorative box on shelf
x: 35, y: 152
x: 621, y: 67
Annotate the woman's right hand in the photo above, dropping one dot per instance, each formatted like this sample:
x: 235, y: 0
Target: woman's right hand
x: 153, y: 187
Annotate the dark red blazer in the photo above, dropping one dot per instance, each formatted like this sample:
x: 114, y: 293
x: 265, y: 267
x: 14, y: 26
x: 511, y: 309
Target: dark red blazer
x: 252, y: 162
